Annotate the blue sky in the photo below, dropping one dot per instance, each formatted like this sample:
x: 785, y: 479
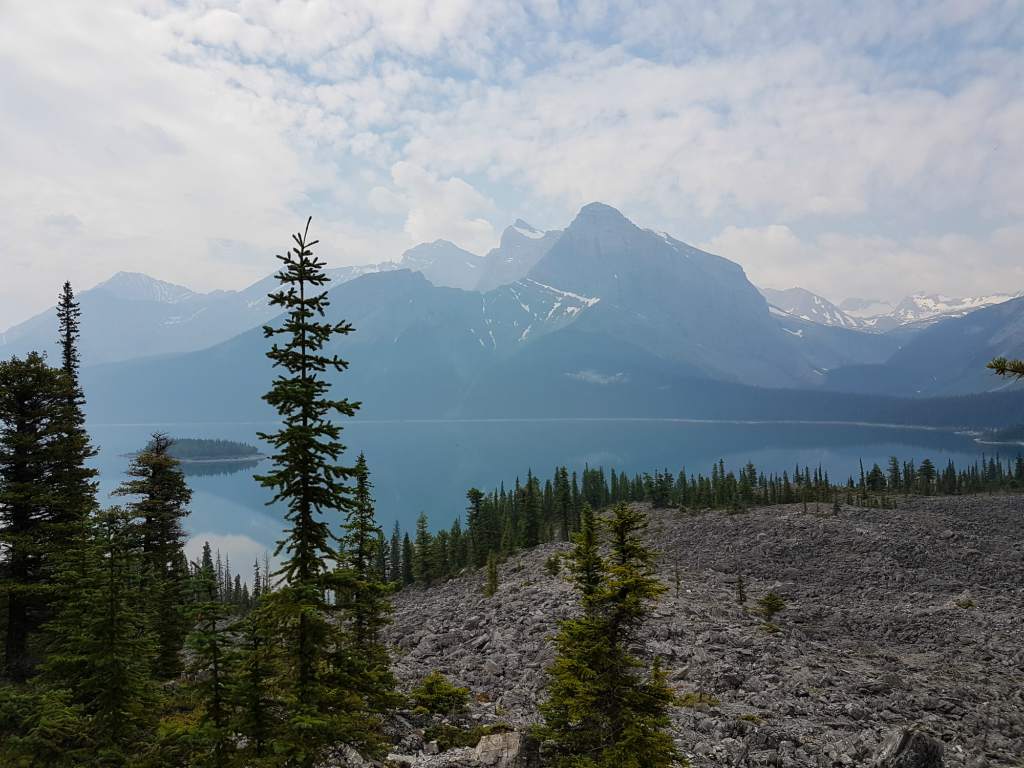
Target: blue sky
x: 854, y: 148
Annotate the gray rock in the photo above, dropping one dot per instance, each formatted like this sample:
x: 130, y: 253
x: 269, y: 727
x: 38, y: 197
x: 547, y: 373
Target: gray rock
x: 507, y: 750
x: 909, y: 748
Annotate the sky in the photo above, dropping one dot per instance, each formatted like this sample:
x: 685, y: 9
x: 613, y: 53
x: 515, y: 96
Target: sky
x: 867, y: 149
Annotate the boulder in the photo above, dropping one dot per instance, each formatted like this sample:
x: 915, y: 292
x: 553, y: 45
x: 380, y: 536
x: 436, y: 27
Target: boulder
x: 507, y: 750
x: 910, y: 748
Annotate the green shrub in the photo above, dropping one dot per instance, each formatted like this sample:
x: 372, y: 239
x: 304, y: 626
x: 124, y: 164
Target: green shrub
x: 553, y: 565
x: 698, y: 700
x: 771, y: 604
x: 438, y: 695
x: 452, y: 737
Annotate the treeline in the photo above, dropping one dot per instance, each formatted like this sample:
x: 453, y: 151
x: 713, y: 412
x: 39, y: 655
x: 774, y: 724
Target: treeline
x: 503, y: 521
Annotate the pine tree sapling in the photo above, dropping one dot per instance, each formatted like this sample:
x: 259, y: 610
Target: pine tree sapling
x: 436, y: 694
x: 603, y: 709
x: 769, y: 605
x: 491, y: 586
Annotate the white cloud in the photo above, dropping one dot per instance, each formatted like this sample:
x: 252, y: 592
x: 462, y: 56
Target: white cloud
x: 840, y: 266
x: 141, y: 135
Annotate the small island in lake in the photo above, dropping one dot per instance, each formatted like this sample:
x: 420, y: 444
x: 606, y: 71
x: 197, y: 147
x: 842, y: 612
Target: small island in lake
x: 194, y: 450
x: 1009, y: 436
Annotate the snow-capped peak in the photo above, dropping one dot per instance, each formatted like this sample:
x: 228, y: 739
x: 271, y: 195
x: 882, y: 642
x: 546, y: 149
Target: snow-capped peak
x: 136, y: 286
x: 526, y: 230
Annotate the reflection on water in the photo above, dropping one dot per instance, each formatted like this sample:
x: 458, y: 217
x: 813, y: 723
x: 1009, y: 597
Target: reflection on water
x: 428, y: 465
x: 201, y: 468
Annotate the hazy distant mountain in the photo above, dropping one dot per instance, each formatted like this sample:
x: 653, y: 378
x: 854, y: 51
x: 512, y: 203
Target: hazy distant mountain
x: 671, y: 299
x: 919, y: 309
x: 445, y: 264
x: 610, y: 312
x: 948, y: 357
x: 805, y: 305
x: 521, y: 247
x: 134, y: 315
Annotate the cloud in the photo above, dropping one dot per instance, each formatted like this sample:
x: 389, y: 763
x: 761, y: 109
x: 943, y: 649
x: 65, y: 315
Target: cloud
x: 167, y: 130
x: 840, y: 265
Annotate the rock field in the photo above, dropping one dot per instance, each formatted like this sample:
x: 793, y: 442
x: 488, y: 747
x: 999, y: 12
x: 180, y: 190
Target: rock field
x: 894, y: 618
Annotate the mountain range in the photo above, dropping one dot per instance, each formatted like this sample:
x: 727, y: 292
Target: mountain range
x: 914, y: 312
x: 603, y: 318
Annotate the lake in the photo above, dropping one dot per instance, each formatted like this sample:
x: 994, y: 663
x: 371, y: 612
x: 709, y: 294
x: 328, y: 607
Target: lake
x: 426, y: 466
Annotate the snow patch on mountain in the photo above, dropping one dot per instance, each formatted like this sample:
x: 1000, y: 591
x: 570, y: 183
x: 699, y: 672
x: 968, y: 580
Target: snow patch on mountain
x: 136, y: 286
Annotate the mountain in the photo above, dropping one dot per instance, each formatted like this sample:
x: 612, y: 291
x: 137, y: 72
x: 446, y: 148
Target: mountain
x: 135, y: 286
x: 674, y: 300
x: 444, y: 264
x: 521, y: 247
x: 919, y: 309
x: 946, y: 358
x: 808, y: 306
x: 613, y: 321
x: 133, y: 315
x: 416, y: 351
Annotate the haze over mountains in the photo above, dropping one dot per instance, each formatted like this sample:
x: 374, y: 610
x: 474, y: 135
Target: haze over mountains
x: 602, y: 319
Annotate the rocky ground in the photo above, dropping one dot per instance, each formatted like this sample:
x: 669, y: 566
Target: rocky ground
x: 912, y: 616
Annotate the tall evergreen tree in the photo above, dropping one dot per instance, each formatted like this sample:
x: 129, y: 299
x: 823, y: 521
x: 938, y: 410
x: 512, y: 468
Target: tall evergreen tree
x: 210, y: 674
x: 308, y: 478
x: 31, y: 395
x: 408, y: 556
x: 251, y: 690
x: 422, y: 556
x: 395, y: 555
x: 160, y: 498
x: 74, y: 482
x: 365, y: 667
x: 103, y: 653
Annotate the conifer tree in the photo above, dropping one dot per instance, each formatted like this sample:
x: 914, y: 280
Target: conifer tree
x: 309, y: 479
x: 209, y: 669
x: 160, y: 499
x: 73, y: 483
x: 103, y: 651
x: 365, y: 667
x: 408, y: 556
x: 395, y: 555
x: 422, y: 562
x: 603, y: 709
x: 253, y: 704
x: 492, y: 575
x: 31, y: 396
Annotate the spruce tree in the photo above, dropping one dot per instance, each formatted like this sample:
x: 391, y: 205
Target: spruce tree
x: 408, y: 556
x: 31, y: 397
x: 604, y: 709
x: 422, y: 563
x: 251, y: 693
x: 103, y: 651
x: 395, y: 555
x: 363, y: 666
x: 74, y: 482
x: 210, y: 675
x: 491, y: 587
x: 309, y: 479
x: 160, y: 498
